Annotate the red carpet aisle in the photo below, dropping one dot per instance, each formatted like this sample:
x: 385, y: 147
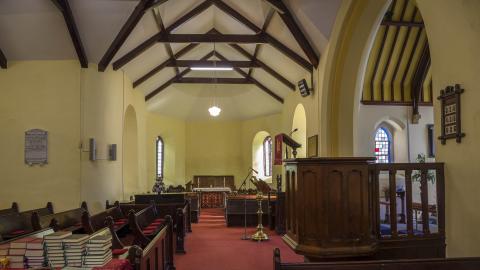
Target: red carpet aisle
x: 213, y: 246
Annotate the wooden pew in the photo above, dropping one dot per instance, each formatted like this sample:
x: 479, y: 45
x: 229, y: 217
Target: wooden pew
x: 96, y: 222
x: 15, y: 225
x: 145, y: 225
x: 35, y: 234
x: 158, y: 253
x: 235, y: 210
x: 70, y: 220
x: 181, y: 221
x: 416, y: 264
x: 11, y: 210
x: 194, y: 201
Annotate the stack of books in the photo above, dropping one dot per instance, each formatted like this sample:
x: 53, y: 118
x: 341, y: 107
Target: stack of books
x: 99, y: 251
x: 74, y: 248
x: 54, y: 248
x: 4, y: 250
x: 16, y: 252
x: 35, y: 254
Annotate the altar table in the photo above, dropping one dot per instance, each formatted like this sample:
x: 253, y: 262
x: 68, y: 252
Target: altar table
x: 213, y: 197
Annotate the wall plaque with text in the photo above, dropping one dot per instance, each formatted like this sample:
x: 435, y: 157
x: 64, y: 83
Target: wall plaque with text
x: 451, y: 117
x: 36, y: 147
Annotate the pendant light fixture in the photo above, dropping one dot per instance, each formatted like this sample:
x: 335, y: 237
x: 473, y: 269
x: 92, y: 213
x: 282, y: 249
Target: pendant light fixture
x: 214, y: 110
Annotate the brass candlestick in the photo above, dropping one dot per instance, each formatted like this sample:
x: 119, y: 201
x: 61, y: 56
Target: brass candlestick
x: 259, y: 235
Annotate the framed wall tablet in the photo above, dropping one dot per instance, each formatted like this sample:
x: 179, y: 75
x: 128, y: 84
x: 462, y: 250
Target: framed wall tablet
x: 36, y: 147
x: 451, y: 114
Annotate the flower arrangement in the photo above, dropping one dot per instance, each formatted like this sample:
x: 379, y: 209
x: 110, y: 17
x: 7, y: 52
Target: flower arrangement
x: 417, y: 175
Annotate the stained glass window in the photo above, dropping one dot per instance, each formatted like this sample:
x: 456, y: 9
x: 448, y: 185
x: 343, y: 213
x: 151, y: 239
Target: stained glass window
x: 382, y: 146
x: 267, y: 156
x: 160, y: 149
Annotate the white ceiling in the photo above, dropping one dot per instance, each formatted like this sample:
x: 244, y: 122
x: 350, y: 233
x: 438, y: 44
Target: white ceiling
x: 35, y: 30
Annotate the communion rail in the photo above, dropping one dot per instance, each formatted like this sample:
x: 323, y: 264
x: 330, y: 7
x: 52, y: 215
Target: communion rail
x: 412, y: 197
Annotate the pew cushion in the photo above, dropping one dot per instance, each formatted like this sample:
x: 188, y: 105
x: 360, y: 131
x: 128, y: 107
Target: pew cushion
x: 17, y: 232
x: 118, y: 252
x: 122, y: 220
x: 147, y: 232
x: 119, y: 222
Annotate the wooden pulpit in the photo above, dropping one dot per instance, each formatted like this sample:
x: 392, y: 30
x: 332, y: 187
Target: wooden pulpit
x: 329, y: 208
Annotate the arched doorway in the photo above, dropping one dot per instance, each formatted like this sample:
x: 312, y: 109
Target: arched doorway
x: 299, y: 129
x: 130, y: 153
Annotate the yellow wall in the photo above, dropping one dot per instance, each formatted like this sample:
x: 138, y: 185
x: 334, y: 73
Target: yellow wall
x: 214, y: 148
x: 173, y: 133
x: 455, y: 59
x: 43, y: 95
x: 73, y: 105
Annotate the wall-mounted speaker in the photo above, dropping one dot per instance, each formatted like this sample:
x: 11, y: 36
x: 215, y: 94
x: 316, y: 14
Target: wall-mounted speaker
x: 112, y: 152
x: 303, y: 87
x: 93, y: 149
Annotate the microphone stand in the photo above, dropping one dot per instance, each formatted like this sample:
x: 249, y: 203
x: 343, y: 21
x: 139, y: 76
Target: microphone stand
x: 245, y: 236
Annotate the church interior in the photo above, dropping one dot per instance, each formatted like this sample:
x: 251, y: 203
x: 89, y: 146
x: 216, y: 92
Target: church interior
x: 227, y: 134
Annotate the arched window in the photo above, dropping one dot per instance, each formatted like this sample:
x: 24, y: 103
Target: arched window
x: 267, y: 156
x: 160, y: 151
x: 383, y: 144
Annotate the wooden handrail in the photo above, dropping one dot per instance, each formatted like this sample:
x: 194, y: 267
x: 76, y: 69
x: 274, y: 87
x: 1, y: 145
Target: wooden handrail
x: 422, y: 170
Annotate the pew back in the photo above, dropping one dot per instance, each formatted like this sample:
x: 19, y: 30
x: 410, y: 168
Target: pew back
x: 97, y: 221
x: 14, y: 225
x: 158, y: 254
x: 67, y: 220
x: 11, y: 210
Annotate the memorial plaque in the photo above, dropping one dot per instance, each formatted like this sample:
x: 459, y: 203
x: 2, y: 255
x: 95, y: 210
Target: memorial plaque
x: 451, y: 121
x: 36, y: 147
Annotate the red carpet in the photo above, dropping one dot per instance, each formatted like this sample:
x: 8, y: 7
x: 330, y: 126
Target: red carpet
x: 214, y: 246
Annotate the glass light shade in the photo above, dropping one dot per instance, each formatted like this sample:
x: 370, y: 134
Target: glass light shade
x: 214, y: 111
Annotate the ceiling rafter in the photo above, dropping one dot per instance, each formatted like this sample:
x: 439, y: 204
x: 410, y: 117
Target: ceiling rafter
x: 403, y: 23
x: 402, y: 52
x: 160, y: 67
x: 172, y: 80
x: 154, y: 39
x: 419, y: 78
x: 161, y: 26
x: 126, y: 30
x: 265, y: 67
x: 266, y: 23
x: 296, y: 31
x: 204, y: 63
x: 207, y: 80
x: 66, y: 11
x: 215, y: 38
x: 253, y: 80
x: 259, y: 37
x: 390, y: 54
x: 3, y: 60
x: 268, y: 38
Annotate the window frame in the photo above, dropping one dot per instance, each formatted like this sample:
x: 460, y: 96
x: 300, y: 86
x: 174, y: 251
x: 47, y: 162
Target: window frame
x: 389, y: 142
x: 268, y: 140
x: 159, y: 139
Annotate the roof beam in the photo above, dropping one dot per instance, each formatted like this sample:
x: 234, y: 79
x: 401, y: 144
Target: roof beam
x: 3, y: 60
x: 163, y: 65
x: 296, y: 31
x: 252, y: 80
x: 403, y: 23
x: 154, y: 3
x: 161, y: 26
x: 265, y: 67
x: 213, y: 80
x: 172, y: 80
x: 209, y: 38
x: 268, y: 38
x: 154, y: 39
x: 418, y: 79
x: 266, y: 23
x: 127, y: 28
x: 204, y: 63
x: 66, y: 11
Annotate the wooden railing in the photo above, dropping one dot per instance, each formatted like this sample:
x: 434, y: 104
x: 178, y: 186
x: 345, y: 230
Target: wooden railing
x: 412, y: 172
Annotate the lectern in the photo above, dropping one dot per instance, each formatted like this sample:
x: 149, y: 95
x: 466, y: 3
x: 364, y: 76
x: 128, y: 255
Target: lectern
x: 329, y: 208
